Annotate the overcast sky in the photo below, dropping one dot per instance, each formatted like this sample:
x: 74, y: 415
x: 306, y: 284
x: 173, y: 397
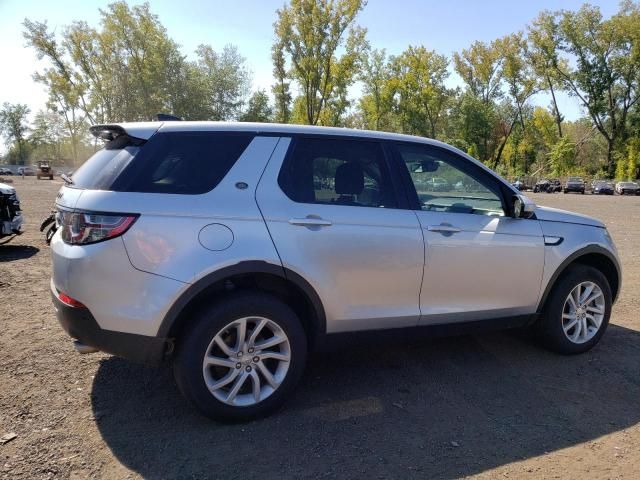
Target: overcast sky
x: 445, y: 26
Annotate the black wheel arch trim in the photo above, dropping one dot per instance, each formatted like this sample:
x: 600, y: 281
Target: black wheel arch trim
x: 590, y: 249
x: 257, y: 266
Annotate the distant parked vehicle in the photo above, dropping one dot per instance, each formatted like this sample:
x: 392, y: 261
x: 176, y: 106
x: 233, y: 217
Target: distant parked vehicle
x: 574, y: 184
x: 10, y: 213
x: 519, y: 185
x: 26, y: 171
x: 44, y: 170
x: 601, y: 187
x: 627, y: 188
x: 556, y: 185
x: 547, y: 186
x: 437, y: 184
x: 5, y: 171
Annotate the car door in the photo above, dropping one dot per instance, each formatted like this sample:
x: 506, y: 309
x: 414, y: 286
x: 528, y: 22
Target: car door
x: 336, y: 219
x: 480, y: 263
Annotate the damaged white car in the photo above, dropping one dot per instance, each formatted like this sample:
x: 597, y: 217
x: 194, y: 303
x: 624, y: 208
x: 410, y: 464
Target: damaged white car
x: 10, y: 214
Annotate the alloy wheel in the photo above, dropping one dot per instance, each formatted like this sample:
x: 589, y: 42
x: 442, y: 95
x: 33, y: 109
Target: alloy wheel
x: 583, y: 312
x: 246, y: 361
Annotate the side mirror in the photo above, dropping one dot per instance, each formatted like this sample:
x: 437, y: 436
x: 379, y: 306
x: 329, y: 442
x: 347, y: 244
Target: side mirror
x: 522, y: 207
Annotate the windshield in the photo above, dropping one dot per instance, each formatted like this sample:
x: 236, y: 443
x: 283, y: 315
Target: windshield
x: 575, y: 179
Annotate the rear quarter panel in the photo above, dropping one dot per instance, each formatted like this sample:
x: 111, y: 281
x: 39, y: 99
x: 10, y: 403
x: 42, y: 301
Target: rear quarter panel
x: 165, y: 240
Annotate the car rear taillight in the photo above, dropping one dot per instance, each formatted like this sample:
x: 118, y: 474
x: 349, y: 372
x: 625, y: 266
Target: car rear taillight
x: 82, y: 228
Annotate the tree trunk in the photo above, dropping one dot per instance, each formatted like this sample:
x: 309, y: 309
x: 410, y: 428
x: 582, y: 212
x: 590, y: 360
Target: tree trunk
x: 611, y: 164
x: 20, y: 154
x: 556, y: 111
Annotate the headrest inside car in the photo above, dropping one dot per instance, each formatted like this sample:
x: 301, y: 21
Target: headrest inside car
x: 349, y: 179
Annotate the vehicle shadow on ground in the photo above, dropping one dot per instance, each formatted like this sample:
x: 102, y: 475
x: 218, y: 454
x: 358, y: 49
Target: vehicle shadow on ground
x: 11, y: 253
x: 440, y: 408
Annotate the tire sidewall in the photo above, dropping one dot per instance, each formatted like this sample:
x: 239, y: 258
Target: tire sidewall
x: 208, y: 323
x: 551, y: 329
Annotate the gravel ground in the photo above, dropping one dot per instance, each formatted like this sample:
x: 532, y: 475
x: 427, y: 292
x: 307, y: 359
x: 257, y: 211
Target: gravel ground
x: 482, y: 406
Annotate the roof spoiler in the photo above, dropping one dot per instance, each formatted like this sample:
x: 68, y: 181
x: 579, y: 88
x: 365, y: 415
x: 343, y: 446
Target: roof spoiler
x: 139, y: 130
x: 107, y: 132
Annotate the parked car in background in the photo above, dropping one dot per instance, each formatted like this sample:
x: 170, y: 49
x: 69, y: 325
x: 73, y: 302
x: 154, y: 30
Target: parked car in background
x: 520, y: 186
x: 627, y: 188
x: 10, y: 213
x: 555, y: 185
x: 26, y: 171
x: 44, y: 170
x: 232, y: 274
x: 602, y: 187
x: 437, y: 184
x: 574, y: 184
x: 5, y: 171
x: 541, y: 186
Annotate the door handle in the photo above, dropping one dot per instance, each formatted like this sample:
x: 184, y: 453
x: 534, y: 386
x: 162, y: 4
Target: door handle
x: 310, y: 222
x: 443, y: 228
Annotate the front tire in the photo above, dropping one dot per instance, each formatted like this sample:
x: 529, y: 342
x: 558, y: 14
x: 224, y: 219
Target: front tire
x: 242, y: 357
x: 577, y: 311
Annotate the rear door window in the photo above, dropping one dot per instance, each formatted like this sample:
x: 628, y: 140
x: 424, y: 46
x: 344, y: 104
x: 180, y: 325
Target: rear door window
x: 338, y: 172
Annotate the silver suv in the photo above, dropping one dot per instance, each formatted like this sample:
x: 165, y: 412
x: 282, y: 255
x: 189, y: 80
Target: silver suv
x: 231, y: 250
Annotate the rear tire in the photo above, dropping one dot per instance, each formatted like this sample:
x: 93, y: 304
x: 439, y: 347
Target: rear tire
x: 575, y: 325
x: 238, y: 358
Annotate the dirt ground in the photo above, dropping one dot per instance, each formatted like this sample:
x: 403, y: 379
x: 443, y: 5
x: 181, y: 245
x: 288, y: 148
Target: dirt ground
x: 488, y: 406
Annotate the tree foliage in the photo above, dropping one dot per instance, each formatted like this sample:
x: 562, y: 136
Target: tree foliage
x: 14, y: 126
x: 258, y: 108
x: 309, y: 34
x: 128, y: 68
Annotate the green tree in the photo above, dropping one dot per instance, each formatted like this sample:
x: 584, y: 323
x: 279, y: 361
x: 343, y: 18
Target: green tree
x: 606, y: 72
x: 14, y: 127
x: 48, y: 136
x: 309, y: 34
x: 480, y: 67
x: 282, y: 88
x: 417, y: 86
x: 562, y: 157
x: 129, y: 69
x: 543, y: 38
x: 633, y: 159
x: 375, y: 103
x: 227, y: 81
x: 258, y: 108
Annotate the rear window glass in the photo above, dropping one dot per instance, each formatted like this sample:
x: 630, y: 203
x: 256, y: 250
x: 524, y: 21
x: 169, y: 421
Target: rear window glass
x: 101, y: 170
x: 189, y: 163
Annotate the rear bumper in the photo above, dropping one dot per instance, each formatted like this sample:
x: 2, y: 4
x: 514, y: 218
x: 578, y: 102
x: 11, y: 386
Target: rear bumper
x: 81, y: 325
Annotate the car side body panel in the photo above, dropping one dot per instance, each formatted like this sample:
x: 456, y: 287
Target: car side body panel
x: 185, y: 237
x: 366, y: 266
x: 573, y: 239
x: 119, y: 297
x: 491, y: 268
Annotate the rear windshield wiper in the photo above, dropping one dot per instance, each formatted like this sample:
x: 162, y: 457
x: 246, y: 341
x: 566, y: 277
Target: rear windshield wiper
x: 66, y: 179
